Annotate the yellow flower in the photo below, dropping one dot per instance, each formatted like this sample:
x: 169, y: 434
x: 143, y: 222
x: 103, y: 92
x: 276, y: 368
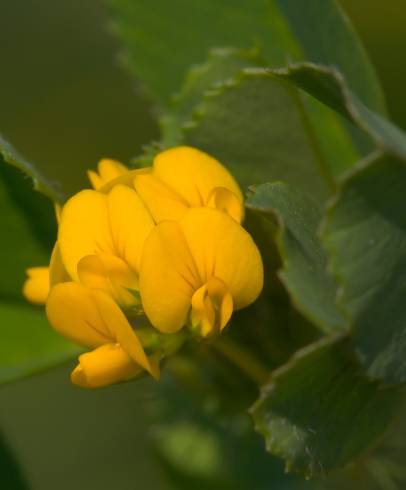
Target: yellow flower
x: 162, y: 245
x: 101, y: 237
x: 197, y: 271
x: 36, y: 287
x: 92, y: 319
x: 107, y: 170
x: 185, y: 177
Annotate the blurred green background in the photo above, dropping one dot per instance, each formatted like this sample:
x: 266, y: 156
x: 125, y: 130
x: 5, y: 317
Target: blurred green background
x: 64, y: 97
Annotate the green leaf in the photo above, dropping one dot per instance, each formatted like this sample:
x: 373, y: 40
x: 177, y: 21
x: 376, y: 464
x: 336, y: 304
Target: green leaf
x: 221, y: 67
x: 332, y: 89
x: 319, y: 412
x: 28, y: 223
x: 41, y: 182
x: 365, y: 232
x: 28, y: 342
x: 304, y: 261
x: 164, y: 39
x: 259, y: 128
x: 328, y: 38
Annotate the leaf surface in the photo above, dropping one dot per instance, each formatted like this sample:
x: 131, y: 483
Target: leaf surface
x: 319, y: 412
x: 163, y: 39
x: 304, y: 261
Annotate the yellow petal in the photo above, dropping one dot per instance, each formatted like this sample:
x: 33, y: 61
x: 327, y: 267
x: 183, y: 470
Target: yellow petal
x: 57, y: 270
x: 130, y: 224
x: 212, y: 306
x: 36, y: 286
x: 193, y: 174
x: 221, y: 248
x: 225, y: 200
x: 84, y: 229
x: 110, y: 274
x: 121, y: 330
x: 126, y: 179
x: 108, y: 170
x: 72, y: 311
x: 168, y: 277
x: 163, y: 203
x: 104, y: 366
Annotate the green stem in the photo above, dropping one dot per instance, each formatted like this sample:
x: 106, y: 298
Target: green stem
x: 243, y: 359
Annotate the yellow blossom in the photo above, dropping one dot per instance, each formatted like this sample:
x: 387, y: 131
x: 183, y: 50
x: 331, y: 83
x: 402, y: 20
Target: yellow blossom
x: 197, y: 271
x: 185, y: 177
x: 165, y: 244
x: 101, y: 237
x: 92, y: 319
x: 36, y: 287
x: 181, y: 178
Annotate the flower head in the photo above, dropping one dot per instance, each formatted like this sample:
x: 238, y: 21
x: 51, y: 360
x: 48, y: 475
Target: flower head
x: 144, y: 254
x: 101, y: 238
x: 91, y: 318
x: 198, y: 270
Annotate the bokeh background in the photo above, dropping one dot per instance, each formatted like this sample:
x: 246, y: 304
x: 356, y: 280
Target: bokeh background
x: 63, y: 98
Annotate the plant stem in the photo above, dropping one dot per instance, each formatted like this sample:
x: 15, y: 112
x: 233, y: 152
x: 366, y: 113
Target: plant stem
x: 243, y: 359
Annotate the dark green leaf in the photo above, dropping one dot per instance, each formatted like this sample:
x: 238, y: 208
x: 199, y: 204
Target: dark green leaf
x: 28, y: 342
x: 304, y: 261
x: 41, y: 182
x: 259, y: 128
x: 366, y: 234
x: 163, y: 39
x: 206, y: 84
x: 330, y: 87
x: 28, y: 227
x: 221, y: 67
x: 319, y: 412
x: 328, y: 38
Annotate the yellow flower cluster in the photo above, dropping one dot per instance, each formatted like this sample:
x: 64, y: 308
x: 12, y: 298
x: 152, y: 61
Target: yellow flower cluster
x: 141, y: 256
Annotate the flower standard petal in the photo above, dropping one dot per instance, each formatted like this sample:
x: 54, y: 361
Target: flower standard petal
x: 221, y: 248
x: 72, y: 311
x: 162, y: 201
x: 193, y: 174
x: 84, y: 229
x: 104, y: 366
x: 36, y: 286
x: 168, y: 277
x: 130, y: 224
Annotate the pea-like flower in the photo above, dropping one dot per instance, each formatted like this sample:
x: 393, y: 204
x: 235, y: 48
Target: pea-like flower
x: 101, y: 238
x: 197, y: 271
x: 145, y: 259
x: 91, y: 318
x: 183, y: 178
